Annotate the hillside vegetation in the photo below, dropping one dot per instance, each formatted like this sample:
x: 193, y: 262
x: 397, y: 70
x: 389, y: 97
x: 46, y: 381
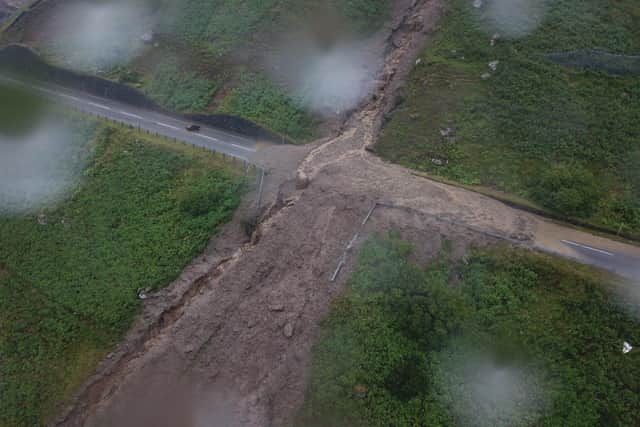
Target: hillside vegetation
x: 70, y: 276
x: 205, y: 55
x: 502, y: 337
x: 556, y: 122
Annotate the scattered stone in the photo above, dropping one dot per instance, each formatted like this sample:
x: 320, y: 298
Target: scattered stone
x: 440, y: 162
x: 626, y: 347
x: 147, y: 37
x: 418, y: 61
x: 414, y: 116
x: 485, y: 76
x: 477, y: 4
x: 494, y: 38
x: 42, y: 219
x: 276, y: 307
x: 521, y: 237
x: 360, y: 391
x: 143, y: 294
x: 447, y: 132
x: 302, y: 181
x: 493, y: 65
x: 110, y: 356
x: 288, y: 330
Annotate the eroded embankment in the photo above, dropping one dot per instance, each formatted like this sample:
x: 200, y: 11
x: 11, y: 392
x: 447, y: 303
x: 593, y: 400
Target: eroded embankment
x: 238, y: 351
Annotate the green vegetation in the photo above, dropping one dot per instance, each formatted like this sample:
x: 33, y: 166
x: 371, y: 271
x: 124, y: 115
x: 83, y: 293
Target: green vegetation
x: 213, y: 31
x: 220, y: 25
x: 179, y: 90
x: 562, y: 137
x: 19, y: 110
x: 68, y: 289
x: 397, y: 348
x: 260, y: 101
x: 203, y: 50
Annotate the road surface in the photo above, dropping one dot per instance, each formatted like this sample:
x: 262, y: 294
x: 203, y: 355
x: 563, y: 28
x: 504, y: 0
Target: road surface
x: 213, y: 139
x: 611, y: 255
x: 583, y: 247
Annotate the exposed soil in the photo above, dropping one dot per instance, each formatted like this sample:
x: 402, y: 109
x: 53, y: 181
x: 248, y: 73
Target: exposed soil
x: 229, y: 344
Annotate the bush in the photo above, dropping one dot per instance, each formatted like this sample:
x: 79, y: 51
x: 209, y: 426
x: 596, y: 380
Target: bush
x: 258, y: 100
x: 180, y: 90
x: 522, y: 339
x: 212, y: 192
x: 570, y: 190
x: 68, y: 289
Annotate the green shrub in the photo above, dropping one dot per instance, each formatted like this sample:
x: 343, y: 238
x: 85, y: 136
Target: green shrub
x: 180, y: 90
x: 258, y: 100
x: 511, y: 124
x: 569, y: 189
x: 68, y: 289
x: 398, y: 348
x: 214, y: 191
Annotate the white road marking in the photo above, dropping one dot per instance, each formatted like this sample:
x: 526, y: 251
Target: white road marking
x: 73, y: 98
x: 167, y: 126
x: 226, y: 143
x: 104, y: 107
x: 568, y: 242
x: 135, y: 116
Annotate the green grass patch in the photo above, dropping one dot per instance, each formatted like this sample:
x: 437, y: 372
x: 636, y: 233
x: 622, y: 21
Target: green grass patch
x: 19, y: 110
x: 257, y: 99
x: 562, y: 137
x: 68, y: 289
x: 502, y: 337
x: 220, y: 25
x: 179, y: 90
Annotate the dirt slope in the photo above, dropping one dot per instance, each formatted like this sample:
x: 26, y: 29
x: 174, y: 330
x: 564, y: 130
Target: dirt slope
x: 229, y: 343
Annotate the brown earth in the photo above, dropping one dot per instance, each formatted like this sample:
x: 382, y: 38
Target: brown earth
x: 229, y: 343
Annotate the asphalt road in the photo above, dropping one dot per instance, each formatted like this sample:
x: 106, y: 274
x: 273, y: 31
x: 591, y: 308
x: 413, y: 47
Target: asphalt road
x: 621, y: 259
x: 624, y: 264
x: 224, y: 142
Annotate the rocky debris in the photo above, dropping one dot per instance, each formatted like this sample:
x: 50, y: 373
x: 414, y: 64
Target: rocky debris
x: 143, y: 294
x: 477, y: 4
x: 439, y: 162
x: 447, y: 132
x: 494, y: 39
x: 521, y: 237
x: 288, y: 330
x: 414, y: 116
x: 360, y: 391
x: 626, y: 347
x: 147, y: 37
x: 276, y: 307
x: 485, y: 76
x: 493, y: 65
x: 418, y: 61
x: 42, y: 219
x: 302, y: 180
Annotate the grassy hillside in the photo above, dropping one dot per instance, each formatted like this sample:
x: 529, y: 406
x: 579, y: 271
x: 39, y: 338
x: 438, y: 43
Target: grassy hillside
x: 202, y: 50
x: 501, y: 338
x: 68, y: 288
x: 557, y: 128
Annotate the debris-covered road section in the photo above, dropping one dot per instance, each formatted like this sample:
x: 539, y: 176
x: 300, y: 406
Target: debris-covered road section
x: 229, y: 343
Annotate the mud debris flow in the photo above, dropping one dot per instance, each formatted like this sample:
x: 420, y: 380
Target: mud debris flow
x: 236, y: 329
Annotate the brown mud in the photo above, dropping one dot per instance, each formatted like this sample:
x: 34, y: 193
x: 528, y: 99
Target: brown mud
x: 229, y: 343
